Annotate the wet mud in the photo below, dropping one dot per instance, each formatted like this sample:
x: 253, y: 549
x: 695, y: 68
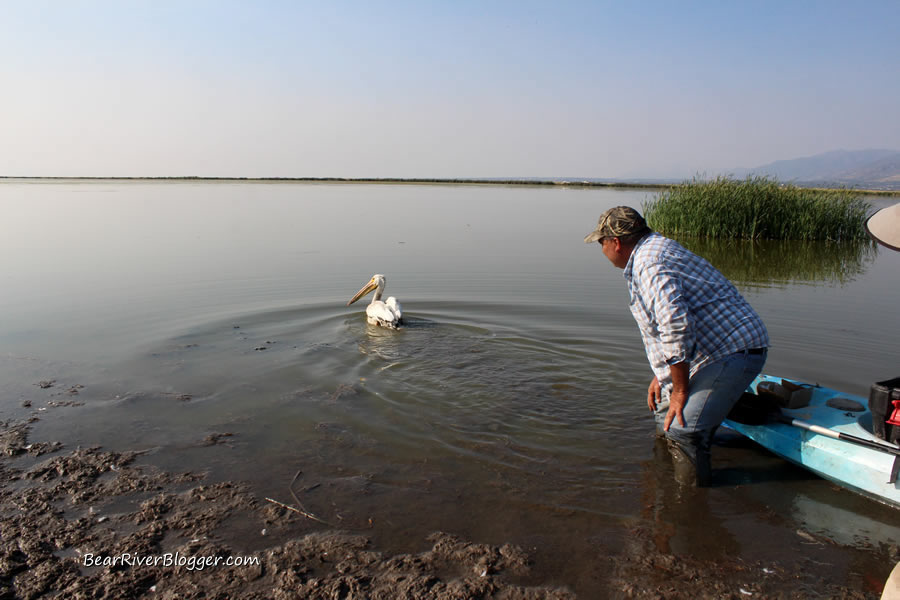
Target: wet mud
x: 646, y: 573
x: 90, y: 523
x: 81, y: 523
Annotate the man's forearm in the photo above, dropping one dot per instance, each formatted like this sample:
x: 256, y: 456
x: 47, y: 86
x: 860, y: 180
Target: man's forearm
x: 681, y: 374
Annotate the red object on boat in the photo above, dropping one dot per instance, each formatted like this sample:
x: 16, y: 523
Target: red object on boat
x: 894, y: 419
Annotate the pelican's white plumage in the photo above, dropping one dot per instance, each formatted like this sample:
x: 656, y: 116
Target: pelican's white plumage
x: 386, y: 314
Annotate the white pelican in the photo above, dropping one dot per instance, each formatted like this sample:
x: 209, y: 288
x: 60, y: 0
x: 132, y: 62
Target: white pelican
x: 387, y: 314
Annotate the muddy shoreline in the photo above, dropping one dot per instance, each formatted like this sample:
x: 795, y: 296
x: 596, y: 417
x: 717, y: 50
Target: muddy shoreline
x: 88, y: 522
x: 84, y: 523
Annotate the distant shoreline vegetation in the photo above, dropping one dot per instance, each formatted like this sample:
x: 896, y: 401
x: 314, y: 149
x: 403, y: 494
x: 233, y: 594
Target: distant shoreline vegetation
x: 757, y: 208
x: 562, y: 182
x: 369, y: 180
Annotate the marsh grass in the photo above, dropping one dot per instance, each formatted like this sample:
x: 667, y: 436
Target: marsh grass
x: 756, y: 208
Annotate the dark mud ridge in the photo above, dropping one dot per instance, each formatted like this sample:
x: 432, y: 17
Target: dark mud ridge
x: 87, y: 523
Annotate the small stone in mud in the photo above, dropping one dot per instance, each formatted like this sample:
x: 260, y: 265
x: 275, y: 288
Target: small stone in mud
x: 342, y: 390
x: 26, y: 404
x: 13, y: 438
x: 216, y: 438
x: 333, y: 428
x: 260, y: 348
x: 14, y: 441
x: 55, y: 403
x: 184, y: 397
x: 48, y: 383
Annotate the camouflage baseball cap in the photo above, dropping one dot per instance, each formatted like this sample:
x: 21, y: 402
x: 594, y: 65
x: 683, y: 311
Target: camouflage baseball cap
x: 616, y: 222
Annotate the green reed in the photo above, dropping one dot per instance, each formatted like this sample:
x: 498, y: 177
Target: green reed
x: 757, y: 208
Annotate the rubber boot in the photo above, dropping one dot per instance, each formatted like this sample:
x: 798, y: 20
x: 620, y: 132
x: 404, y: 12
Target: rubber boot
x: 690, y: 471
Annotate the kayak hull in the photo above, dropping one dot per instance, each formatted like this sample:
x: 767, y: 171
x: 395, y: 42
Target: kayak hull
x: 858, y: 468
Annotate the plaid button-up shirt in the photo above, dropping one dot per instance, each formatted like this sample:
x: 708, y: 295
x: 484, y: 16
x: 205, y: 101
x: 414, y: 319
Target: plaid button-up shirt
x: 687, y: 310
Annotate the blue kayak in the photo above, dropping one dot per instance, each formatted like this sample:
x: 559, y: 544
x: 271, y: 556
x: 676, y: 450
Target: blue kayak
x: 803, y: 428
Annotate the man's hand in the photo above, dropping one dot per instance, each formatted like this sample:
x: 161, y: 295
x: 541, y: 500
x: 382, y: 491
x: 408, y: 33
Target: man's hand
x: 679, y: 396
x: 653, y: 394
x: 677, y: 400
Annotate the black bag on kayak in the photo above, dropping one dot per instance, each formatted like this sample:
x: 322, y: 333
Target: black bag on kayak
x: 882, y: 397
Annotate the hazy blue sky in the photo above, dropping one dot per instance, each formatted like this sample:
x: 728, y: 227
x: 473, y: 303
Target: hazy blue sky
x: 441, y: 89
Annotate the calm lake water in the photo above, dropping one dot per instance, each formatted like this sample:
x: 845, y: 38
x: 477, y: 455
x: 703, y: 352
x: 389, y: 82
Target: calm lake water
x: 510, y: 408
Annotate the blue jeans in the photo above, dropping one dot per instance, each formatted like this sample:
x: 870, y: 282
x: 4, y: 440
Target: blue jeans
x: 712, y: 392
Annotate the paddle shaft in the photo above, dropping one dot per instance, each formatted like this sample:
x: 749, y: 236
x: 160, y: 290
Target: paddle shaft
x: 839, y: 436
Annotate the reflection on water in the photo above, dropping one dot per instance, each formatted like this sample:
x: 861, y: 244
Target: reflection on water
x: 826, y: 517
x: 671, y: 507
x: 750, y: 514
x: 511, y: 408
x: 781, y: 262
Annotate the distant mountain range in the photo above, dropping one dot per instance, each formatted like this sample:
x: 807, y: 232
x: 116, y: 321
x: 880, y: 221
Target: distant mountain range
x: 868, y: 169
